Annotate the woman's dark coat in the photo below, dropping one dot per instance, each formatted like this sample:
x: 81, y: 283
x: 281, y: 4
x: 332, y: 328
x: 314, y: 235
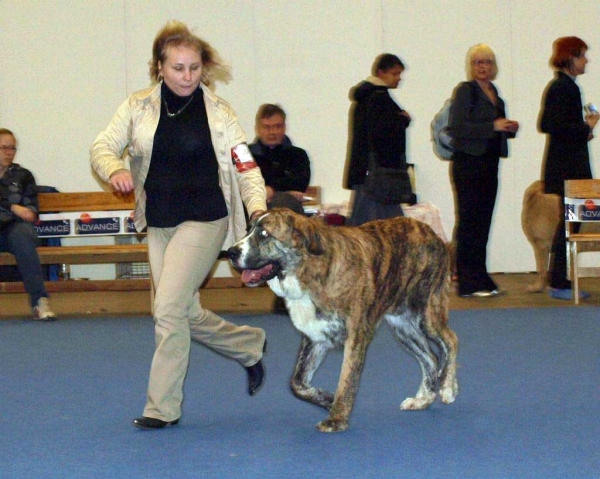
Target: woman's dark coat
x: 567, y: 156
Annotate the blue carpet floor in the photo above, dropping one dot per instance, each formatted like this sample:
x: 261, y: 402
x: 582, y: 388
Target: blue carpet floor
x: 528, y: 406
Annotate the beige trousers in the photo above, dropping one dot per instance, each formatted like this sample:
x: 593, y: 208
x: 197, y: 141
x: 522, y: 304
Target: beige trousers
x: 180, y: 260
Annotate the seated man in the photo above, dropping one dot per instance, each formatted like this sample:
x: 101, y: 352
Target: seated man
x: 18, y: 212
x: 285, y: 168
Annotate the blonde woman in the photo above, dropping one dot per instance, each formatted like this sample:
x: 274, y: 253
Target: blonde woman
x: 479, y: 125
x: 189, y: 195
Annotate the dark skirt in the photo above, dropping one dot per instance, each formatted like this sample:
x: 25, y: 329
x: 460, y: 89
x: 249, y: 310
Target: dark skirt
x: 365, y: 208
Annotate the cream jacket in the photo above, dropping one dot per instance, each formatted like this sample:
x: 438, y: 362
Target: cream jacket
x: 133, y: 127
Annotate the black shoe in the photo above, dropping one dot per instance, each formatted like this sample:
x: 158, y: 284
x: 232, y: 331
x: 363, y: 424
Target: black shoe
x: 152, y: 423
x: 256, y: 374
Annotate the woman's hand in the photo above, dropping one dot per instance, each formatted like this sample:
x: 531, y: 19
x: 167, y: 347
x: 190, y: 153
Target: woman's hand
x: 270, y: 192
x: 256, y: 214
x: 504, y: 124
x: 513, y: 126
x: 591, y: 119
x: 24, y: 213
x: 122, y: 181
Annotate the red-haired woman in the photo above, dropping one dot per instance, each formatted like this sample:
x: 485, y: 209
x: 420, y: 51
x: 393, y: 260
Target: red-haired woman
x: 567, y: 155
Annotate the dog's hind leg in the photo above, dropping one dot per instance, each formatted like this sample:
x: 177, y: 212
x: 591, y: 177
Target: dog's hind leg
x: 541, y: 249
x: 408, y: 331
x: 310, y: 357
x: 447, y: 342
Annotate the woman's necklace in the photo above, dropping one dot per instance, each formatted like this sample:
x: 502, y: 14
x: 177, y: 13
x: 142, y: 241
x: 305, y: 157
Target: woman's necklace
x: 171, y: 115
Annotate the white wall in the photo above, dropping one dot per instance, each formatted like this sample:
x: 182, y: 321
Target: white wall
x: 68, y: 64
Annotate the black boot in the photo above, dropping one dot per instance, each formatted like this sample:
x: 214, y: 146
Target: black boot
x: 256, y: 374
x: 152, y: 423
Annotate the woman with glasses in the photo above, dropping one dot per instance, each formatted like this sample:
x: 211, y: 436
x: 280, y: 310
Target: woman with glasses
x: 567, y: 156
x: 480, y: 129
x: 18, y: 212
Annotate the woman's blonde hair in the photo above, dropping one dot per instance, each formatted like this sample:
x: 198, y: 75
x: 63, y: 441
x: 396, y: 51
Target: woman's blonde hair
x: 483, y: 50
x: 175, y: 34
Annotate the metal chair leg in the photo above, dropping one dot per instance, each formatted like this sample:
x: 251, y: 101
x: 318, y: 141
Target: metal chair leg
x: 574, y: 271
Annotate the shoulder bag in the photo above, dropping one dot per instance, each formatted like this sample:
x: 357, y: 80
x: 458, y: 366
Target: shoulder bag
x: 387, y: 185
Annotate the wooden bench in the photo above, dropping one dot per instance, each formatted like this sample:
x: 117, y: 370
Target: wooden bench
x: 314, y: 193
x: 103, y: 254
x: 86, y: 254
x: 101, y: 297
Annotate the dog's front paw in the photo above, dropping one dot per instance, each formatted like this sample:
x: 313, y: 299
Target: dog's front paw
x: 535, y: 288
x: 418, y: 403
x: 333, y: 425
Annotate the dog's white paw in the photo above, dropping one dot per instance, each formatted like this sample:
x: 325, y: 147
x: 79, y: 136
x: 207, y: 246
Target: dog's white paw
x: 448, y: 394
x: 415, y: 404
x: 332, y: 425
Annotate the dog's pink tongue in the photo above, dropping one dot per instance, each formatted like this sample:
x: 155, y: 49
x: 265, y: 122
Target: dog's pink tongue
x: 250, y: 276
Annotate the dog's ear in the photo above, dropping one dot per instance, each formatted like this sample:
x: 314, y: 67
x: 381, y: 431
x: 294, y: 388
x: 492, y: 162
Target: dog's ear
x: 314, y: 246
x: 250, y: 225
x: 306, y: 232
x: 252, y: 222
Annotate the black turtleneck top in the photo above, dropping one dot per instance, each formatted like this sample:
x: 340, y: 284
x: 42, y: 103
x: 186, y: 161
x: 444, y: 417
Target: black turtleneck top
x: 183, y: 178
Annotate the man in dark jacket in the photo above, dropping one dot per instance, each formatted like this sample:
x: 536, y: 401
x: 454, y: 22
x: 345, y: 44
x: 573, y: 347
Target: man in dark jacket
x: 285, y: 167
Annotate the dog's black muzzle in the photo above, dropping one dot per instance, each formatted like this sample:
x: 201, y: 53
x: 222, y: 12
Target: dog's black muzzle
x: 234, y: 254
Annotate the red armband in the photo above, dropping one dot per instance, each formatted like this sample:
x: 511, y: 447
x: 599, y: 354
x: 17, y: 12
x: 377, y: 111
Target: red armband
x: 242, y: 158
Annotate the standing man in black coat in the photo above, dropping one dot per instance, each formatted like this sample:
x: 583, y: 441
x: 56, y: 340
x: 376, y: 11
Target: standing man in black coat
x: 285, y: 167
x: 567, y: 155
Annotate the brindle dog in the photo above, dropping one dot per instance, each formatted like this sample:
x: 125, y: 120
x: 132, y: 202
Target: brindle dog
x: 339, y: 283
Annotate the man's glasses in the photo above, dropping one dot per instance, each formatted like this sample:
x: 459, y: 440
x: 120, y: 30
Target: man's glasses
x: 9, y: 148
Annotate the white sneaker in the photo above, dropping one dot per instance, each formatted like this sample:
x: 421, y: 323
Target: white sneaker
x: 42, y: 311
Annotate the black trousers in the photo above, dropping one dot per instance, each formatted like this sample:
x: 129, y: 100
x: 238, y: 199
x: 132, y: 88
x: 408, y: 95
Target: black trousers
x: 476, y: 185
x: 558, y: 270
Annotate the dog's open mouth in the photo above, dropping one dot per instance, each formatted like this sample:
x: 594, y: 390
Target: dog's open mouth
x: 255, y: 277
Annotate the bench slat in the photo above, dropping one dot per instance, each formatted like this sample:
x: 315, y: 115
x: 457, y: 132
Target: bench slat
x: 90, y: 201
x: 313, y: 192
x: 96, y: 254
x: 584, y: 237
x: 74, y: 286
x: 101, y: 254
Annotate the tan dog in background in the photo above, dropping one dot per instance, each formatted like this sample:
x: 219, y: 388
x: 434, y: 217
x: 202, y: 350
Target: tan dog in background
x: 540, y: 217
